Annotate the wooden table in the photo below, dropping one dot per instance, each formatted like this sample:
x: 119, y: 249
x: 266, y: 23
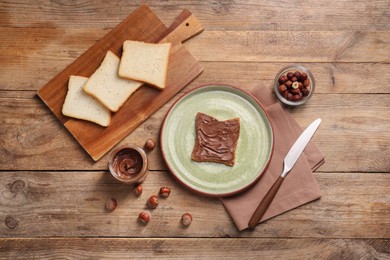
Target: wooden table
x: 52, y: 194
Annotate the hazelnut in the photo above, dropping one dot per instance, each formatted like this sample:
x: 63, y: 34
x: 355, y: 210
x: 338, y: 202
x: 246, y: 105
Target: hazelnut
x: 300, y: 85
x: 150, y: 144
x: 165, y: 191
x: 111, y: 204
x: 295, y: 91
x: 288, y: 84
x: 303, y: 76
x: 298, y: 75
x: 293, y: 79
x: 282, y: 79
x: 297, y: 97
x: 306, y: 83
x: 282, y: 88
x: 295, y: 85
x: 289, y: 96
x: 144, y: 217
x: 153, y: 202
x: 290, y: 75
x: 305, y: 92
x: 186, y: 219
x: 138, y: 190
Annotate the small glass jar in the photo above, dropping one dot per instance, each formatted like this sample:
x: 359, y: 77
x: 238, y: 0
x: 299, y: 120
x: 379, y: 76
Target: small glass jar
x: 303, y: 98
x: 128, y: 164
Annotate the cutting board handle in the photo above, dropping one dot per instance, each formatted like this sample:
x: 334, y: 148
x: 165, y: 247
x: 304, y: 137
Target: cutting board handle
x: 183, y: 28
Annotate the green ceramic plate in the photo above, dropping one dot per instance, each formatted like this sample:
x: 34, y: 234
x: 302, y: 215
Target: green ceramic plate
x: 254, y: 148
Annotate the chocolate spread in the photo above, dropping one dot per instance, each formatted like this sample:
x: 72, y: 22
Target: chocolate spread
x: 127, y: 163
x: 216, y: 141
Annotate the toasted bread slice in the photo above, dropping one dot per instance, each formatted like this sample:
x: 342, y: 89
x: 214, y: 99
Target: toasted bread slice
x: 80, y: 105
x: 216, y: 141
x: 107, y: 87
x: 146, y: 62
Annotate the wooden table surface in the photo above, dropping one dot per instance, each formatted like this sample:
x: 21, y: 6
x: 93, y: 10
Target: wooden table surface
x: 52, y: 194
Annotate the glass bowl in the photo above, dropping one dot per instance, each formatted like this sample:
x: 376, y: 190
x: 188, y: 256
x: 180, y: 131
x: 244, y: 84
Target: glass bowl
x: 294, y: 68
x: 128, y: 164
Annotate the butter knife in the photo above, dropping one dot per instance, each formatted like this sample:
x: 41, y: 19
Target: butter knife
x: 289, y: 162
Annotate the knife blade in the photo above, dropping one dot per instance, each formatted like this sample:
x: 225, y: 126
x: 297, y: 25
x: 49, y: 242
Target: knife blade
x: 289, y: 162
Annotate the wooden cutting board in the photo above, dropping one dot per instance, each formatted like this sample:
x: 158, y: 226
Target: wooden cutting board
x: 141, y: 25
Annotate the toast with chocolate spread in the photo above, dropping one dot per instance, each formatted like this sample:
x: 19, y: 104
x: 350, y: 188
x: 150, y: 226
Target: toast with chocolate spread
x: 216, y: 141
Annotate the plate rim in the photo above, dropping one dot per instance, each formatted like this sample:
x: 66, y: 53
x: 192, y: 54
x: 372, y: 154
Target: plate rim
x: 225, y: 194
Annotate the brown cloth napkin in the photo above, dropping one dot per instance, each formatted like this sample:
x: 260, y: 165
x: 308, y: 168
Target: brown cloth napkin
x: 299, y: 187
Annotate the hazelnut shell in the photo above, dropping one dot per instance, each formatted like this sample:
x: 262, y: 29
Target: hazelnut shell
x: 152, y: 202
x: 111, y: 204
x: 144, y: 217
x: 150, y: 144
x: 186, y: 219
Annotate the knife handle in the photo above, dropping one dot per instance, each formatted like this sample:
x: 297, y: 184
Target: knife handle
x: 264, y: 204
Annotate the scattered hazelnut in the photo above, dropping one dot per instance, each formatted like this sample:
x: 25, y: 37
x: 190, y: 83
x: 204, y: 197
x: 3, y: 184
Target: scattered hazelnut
x: 138, y: 190
x: 111, y: 204
x: 144, y: 217
x: 153, y: 202
x: 165, y: 191
x: 186, y: 219
x: 150, y: 144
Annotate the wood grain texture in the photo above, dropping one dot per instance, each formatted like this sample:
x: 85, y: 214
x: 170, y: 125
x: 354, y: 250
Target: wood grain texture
x: 314, y: 46
x: 274, y: 15
x: 29, y: 133
x: 52, y: 193
x: 46, y: 204
x: 174, y: 248
x: 341, y: 61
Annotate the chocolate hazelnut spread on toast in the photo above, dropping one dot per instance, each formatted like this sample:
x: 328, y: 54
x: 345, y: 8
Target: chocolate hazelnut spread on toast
x: 216, y: 141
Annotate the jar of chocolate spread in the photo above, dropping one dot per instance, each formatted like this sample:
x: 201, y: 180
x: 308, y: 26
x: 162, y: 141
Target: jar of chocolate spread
x: 128, y: 164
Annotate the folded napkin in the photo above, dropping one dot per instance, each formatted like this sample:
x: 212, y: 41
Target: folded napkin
x: 299, y: 187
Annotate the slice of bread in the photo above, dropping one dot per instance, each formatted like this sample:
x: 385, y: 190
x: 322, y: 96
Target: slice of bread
x: 146, y: 62
x: 80, y: 105
x: 215, y: 141
x: 107, y: 87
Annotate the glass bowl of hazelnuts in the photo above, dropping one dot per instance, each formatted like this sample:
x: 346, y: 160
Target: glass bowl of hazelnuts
x: 294, y: 85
